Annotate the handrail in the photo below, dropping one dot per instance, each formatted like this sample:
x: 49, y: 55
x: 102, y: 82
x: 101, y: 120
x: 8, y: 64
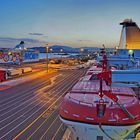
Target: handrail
x: 132, y: 75
x: 130, y: 115
x: 117, y: 94
x: 81, y: 102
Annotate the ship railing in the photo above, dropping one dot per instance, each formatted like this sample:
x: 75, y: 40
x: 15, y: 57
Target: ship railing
x: 85, y: 92
x: 127, y: 84
x: 131, y: 76
x: 81, y: 102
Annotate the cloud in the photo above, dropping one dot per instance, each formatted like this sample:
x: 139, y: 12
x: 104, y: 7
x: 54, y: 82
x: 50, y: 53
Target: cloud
x: 9, y: 41
x: 37, y: 34
x: 84, y: 40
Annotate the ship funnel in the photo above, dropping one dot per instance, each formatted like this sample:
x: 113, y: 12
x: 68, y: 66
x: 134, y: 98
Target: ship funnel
x: 130, y: 35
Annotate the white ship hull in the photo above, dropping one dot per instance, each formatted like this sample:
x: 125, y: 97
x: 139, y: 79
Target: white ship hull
x: 83, y: 131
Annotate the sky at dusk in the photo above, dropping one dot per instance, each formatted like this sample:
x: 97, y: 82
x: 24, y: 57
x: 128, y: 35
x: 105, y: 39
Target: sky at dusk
x: 76, y: 23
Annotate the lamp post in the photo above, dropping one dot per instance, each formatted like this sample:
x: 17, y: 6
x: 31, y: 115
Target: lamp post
x: 51, y: 49
x: 47, y: 62
x: 81, y: 50
x: 81, y: 53
x: 61, y: 50
x: 50, y: 52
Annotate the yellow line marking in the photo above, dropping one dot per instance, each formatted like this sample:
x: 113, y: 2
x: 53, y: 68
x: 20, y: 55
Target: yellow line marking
x: 57, y: 131
x: 41, y: 124
x: 48, y: 128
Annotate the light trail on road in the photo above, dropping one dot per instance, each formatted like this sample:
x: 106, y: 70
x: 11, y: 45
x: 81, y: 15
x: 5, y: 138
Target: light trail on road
x: 31, y: 113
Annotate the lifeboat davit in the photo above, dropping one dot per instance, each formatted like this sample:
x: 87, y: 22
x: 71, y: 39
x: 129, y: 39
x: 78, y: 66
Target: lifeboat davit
x: 95, y: 109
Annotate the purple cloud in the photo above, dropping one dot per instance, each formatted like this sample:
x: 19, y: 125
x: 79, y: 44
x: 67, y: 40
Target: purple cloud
x: 37, y: 34
x: 84, y: 40
x: 9, y: 41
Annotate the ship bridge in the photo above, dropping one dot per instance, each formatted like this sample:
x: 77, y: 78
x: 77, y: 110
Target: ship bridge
x: 130, y: 35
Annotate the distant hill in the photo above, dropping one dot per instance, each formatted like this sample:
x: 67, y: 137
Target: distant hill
x: 65, y: 49
x: 40, y: 49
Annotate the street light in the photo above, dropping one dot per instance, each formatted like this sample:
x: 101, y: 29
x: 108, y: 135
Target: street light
x: 82, y: 50
x: 61, y: 50
x: 47, y: 48
x: 51, y: 49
